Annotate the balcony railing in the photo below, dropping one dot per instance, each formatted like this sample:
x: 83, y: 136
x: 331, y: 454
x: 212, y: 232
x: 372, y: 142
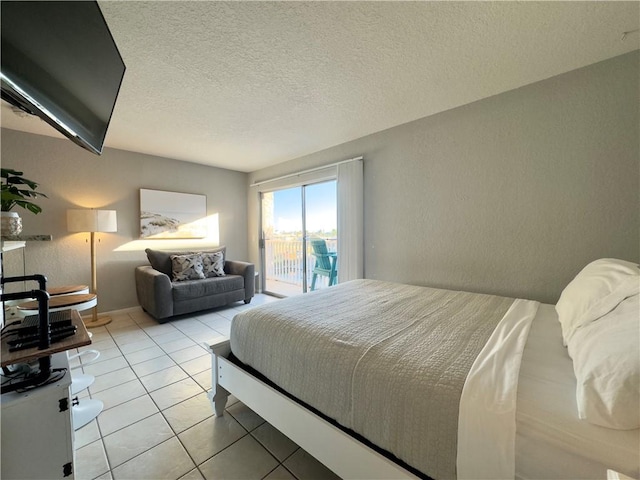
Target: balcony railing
x: 283, y: 261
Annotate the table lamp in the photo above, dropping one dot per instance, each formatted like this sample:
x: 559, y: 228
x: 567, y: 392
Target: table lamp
x: 90, y: 220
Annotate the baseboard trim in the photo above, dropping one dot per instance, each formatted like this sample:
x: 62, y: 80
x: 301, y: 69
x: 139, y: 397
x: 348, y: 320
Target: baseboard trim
x: 122, y: 311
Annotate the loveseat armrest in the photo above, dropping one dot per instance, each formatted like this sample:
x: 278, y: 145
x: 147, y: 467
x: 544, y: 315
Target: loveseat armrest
x: 154, y: 291
x: 247, y: 270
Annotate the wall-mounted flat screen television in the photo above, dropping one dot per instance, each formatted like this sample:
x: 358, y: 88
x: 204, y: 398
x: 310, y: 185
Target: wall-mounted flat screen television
x: 60, y: 62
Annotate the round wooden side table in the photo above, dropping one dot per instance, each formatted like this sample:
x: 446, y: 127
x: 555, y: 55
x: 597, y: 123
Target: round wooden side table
x: 67, y: 290
x: 80, y: 301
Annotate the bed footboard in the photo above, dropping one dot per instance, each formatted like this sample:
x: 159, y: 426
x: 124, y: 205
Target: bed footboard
x: 337, y: 450
x: 218, y: 394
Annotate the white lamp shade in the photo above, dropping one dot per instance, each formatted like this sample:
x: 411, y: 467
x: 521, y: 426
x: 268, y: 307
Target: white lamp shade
x: 89, y: 220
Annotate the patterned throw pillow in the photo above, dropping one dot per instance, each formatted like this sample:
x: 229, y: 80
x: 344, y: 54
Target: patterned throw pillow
x: 186, y: 267
x: 213, y: 264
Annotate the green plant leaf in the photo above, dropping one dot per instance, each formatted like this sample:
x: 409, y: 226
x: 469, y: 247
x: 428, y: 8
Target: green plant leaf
x: 6, y: 172
x: 13, y: 195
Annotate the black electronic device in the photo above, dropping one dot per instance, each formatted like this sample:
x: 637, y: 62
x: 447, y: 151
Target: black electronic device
x: 31, y: 337
x: 44, y: 337
x: 31, y: 341
x: 31, y: 323
x: 60, y: 62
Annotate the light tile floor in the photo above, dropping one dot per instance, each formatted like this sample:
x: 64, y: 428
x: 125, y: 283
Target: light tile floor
x: 157, y: 421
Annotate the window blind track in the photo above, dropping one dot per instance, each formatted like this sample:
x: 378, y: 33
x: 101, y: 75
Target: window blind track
x: 296, y: 174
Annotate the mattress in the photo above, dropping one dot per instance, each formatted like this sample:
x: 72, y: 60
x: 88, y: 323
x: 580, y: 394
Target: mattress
x: 551, y: 441
x: 388, y: 361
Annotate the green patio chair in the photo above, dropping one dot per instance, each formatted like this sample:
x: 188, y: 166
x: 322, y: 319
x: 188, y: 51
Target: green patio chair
x: 325, y: 262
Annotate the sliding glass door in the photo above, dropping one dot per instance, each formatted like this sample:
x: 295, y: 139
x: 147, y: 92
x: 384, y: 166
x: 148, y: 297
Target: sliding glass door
x: 321, y: 235
x: 296, y: 223
x: 282, y: 241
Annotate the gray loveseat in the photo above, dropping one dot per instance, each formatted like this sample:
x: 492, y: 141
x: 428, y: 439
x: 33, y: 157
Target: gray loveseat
x: 163, y: 298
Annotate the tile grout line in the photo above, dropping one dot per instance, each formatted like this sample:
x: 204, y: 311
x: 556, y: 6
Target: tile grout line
x: 204, y: 390
x: 102, y: 436
x: 160, y: 411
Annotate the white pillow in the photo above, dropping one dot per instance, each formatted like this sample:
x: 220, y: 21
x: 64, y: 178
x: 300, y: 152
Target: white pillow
x: 594, y: 292
x: 606, y: 361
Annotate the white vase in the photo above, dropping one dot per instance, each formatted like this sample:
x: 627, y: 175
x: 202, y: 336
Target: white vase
x: 10, y: 224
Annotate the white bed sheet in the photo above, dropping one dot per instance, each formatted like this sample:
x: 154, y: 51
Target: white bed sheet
x: 487, y: 421
x: 551, y: 441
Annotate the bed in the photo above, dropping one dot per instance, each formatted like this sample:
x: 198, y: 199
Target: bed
x: 383, y: 380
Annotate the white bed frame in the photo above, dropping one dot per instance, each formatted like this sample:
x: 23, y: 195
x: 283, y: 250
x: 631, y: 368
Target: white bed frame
x: 337, y: 450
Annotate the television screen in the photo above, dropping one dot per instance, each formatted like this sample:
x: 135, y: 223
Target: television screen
x: 60, y: 62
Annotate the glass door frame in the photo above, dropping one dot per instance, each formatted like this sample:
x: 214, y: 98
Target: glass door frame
x: 304, y: 236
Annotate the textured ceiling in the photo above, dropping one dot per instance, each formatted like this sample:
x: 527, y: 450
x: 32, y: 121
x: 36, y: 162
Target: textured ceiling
x: 245, y: 85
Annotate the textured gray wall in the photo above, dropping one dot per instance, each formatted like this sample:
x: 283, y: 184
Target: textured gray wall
x: 509, y: 195
x: 73, y: 178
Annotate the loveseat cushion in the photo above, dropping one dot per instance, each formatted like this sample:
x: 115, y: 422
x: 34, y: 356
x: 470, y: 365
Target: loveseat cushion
x: 186, y: 267
x: 190, y: 289
x: 161, y: 260
x: 213, y: 264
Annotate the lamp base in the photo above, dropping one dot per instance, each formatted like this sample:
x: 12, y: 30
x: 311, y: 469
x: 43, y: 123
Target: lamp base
x: 100, y: 322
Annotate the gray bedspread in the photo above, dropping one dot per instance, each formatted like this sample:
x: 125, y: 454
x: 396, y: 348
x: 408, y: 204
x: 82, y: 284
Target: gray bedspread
x: 386, y: 360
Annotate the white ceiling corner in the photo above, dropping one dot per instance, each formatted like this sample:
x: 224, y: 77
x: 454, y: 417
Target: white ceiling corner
x: 246, y: 85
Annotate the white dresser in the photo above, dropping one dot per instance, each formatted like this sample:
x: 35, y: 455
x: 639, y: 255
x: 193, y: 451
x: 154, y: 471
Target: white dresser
x: 37, y: 430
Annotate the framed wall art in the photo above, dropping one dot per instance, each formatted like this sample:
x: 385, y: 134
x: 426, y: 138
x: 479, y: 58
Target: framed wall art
x: 172, y: 215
